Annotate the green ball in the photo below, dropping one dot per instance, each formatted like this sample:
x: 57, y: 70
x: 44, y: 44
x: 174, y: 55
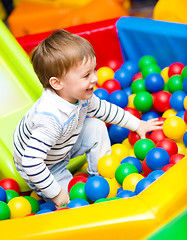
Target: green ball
x: 145, y: 61
x: 184, y: 73
x: 101, y: 200
x: 34, y: 204
x: 4, y: 211
x: 175, y: 83
x: 143, y: 101
x: 124, y: 170
x: 138, y: 86
x: 78, y: 191
x: 153, y: 68
x: 114, y: 198
x: 11, y: 194
x: 165, y: 87
x: 142, y: 147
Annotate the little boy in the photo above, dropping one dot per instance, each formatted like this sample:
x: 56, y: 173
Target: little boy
x: 56, y: 129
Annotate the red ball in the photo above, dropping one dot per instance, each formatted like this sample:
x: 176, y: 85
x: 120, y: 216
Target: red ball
x: 133, y: 111
x: 145, y: 168
x: 115, y: 64
x: 169, y: 145
x: 81, y: 174
x: 185, y: 116
x: 157, y: 135
x: 161, y: 101
x: 76, y: 180
x: 175, y: 69
x: 133, y: 137
x: 167, y: 167
x: 111, y: 85
x: 9, y: 183
x: 175, y: 158
x: 137, y: 76
x: 62, y: 208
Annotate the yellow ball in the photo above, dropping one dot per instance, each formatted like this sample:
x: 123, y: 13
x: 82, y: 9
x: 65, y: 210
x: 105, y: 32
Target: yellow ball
x: 83, y: 168
x: 107, y: 166
x: 104, y: 73
x: 120, y: 151
x: 113, y: 188
x: 127, y: 143
x: 164, y: 74
x: 131, y: 100
x: 174, y: 127
x: 169, y: 113
x: 131, y: 153
x: 131, y: 181
x: 185, y: 103
x: 34, y: 195
x: 181, y: 148
x: 19, y: 207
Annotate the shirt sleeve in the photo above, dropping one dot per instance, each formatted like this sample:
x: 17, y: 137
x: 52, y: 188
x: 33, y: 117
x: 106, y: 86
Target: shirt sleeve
x: 111, y: 113
x: 44, y: 136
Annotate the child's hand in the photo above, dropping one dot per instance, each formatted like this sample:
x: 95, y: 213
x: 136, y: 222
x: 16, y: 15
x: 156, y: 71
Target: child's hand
x: 148, y: 126
x: 61, y: 199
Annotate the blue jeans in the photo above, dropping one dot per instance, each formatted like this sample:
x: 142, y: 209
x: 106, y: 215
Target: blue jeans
x: 93, y: 140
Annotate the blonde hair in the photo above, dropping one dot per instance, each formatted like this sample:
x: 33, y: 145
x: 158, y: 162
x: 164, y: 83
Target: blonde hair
x: 58, y: 53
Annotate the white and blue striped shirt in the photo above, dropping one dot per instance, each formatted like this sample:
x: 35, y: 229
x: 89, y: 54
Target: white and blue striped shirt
x: 48, y: 131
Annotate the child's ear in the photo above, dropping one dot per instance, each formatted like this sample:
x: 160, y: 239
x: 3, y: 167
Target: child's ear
x: 55, y: 83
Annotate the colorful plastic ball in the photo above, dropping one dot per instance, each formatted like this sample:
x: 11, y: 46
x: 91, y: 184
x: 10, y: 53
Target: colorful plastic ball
x: 9, y: 183
x: 137, y: 76
x: 131, y: 181
x: 157, y: 135
x: 120, y: 151
x: 43, y: 211
x: 127, y: 91
x: 104, y: 73
x: 131, y: 101
x: 154, y: 175
x: 134, y: 161
x: 78, y: 191
x: 153, y: 68
x: 167, y: 167
x: 143, y: 184
x: 175, y: 69
x: 46, y: 205
x: 97, y: 187
x: 4, y: 211
x: 19, y: 207
x: 157, y: 158
x: 111, y: 85
x: 117, y: 134
x: 146, y: 61
x: 107, y: 166
x: 142, y: 147
x: 164, y: 74
x: 169, y: 113
x: 184, y: 84
x: 145, y: 168
x: 154, y: 82
x: 124, y: 194
x: 131, y: 67
x: 10, y: 194
x: 149, y: 115
x: 76, y: 180
x: 138, y: 86
x: 175, y: 84
x: 3, y: 195
x: 81, y: 174
x: 34, y: 204
x: 176, y: 158
x: 169, y: 145
x: 174, y: 127
x: 185, y: 103
x: 123, y: 77
x: 78, y: 202
x: 177, y: 99
x: 185, y: 139
x: 143, y: 101
x: 161, y: 101
x: 113, y: 187
x: 184, y: 73
x: 101, y: 200
x: 181, y: 114
x: 181, y: 148
x: 119, y: 98
x: 124, y: 170
x: 114, y: 64
x: 133, y: 111
x: 34, y: 195
x: 102, y: 94
x: 185, y: 116
x: 133, y: 137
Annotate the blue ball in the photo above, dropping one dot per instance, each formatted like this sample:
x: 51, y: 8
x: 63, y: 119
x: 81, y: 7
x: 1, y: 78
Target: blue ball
x: 78, y: 202
x: 177, y: 100
x: 127, y: 91
x: 120, y: 98
x: 131, y: 67
x: 154, y: 82
x: 2, y: 194
x: 117, y: 134
x: 135, y: 161
x: 181, y: 114
x: 154, y: 175
x: 184, y: 84
x: 48, y: 205
x: 119, y: 190
x: 157, y: 158
x: 96, y: 187
x: 185, y: 139
x: 149, y: 115
x: 102, y: 94
x: 124, y: 77
x: 143, y: 184
x: 43, y: 211
x: 124, y: 194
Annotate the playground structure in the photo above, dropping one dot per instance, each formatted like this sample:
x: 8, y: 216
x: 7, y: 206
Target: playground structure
x: 134, y: 218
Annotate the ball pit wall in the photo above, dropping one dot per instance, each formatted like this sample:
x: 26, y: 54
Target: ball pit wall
x: 137, y: 217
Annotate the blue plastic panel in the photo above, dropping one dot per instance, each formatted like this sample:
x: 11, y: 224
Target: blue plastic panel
x: 166, y: 41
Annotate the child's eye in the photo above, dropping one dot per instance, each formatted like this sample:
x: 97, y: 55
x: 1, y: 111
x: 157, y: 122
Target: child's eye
x: 87, y: 75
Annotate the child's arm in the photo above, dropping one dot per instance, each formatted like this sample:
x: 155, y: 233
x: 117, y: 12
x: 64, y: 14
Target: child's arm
x: 61, y: 199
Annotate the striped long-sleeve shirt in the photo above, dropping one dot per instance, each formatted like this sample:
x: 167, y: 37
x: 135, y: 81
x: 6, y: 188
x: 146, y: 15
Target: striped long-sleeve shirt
x: 48, y: 131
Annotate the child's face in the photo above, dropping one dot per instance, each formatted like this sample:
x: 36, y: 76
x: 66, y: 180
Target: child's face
x: 79, y: 82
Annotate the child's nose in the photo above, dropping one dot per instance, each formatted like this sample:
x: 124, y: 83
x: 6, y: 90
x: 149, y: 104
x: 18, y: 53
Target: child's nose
x: 94, y: 78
